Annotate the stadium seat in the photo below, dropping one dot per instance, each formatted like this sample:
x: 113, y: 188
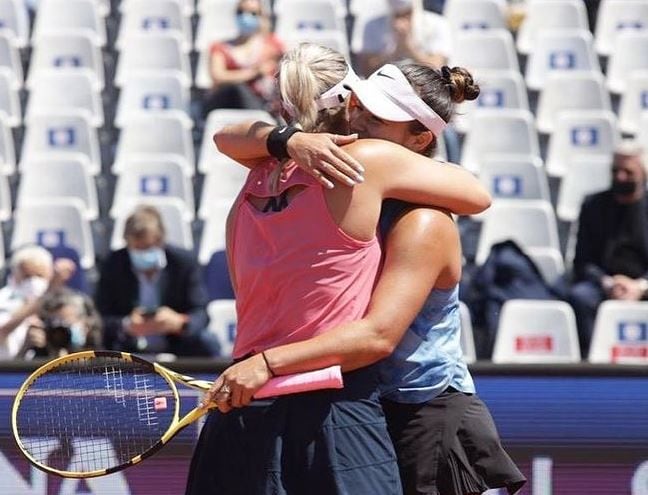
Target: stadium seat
x: 188, y: 6
x: 213, y: 234
x: 153, y: 52
x: 467, y: 338
x: 57, y: 15
x: 617, y: 16
x: 474, y: 14
x: 359, y: 7
x: 491, y: 49
x: 498, y: 89
x: 5, y: 202
x: 532, y: 331
x: 9, y: 98
x: 14, y: 20
x: 549, y: 261
x: 305, y: 15
x: 620, y: 333
x: 43, y: 178
x: 65, y: 90
x: 589, y: 132
x: 509, y: 176
x: 222, y: 323
x: 586, y: 174
x: 217, y: 22
x: 209, y: 154
x: 66, y: 50
x: 634, y: 102
x: 153, y: 93
x: 642, y: 136
x: 223, y: 183
x: 176, y: 226
x: 62, y: 134
x: 7, y: 151
x: 2, y: 251
x: 52, y: 223
x: 560, y: 50
x: 154, y: 16
x: 154, y: 135
x: 158, y: 176
x: 499, y: 131
x: 530, y: 223
x: 550, y: 14
x: 333, y: 39
x: 10, y: 58
x: 630, y: 53
x: 581, y: 90
x: 365, y: 15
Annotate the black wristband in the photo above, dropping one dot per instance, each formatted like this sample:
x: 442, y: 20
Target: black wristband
x: 272, y: 373
x: 277, y: 142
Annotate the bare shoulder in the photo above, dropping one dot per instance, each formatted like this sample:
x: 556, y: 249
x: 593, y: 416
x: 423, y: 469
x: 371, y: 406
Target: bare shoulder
x: 379, y: 153
x: 425, y: 227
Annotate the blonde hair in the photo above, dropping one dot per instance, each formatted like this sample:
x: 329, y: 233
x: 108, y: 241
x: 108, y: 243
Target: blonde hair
x: 305, y: 72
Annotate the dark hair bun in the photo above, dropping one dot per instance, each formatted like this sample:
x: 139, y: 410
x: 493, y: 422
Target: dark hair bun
x: 460, y: 83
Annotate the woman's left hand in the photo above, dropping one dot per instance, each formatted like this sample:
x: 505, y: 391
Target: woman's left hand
x: 236, y: 386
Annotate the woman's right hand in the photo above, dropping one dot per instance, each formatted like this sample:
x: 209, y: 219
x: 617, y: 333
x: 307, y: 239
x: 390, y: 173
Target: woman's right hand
x: 320, y: 155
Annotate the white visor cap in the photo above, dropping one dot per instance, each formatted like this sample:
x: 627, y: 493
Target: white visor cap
x: 388, y: 95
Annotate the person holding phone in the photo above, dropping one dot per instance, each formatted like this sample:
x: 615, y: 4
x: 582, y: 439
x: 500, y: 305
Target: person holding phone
x: 150, y: 294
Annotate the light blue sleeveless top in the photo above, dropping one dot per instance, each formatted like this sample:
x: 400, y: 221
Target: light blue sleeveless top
x: 429, y: 358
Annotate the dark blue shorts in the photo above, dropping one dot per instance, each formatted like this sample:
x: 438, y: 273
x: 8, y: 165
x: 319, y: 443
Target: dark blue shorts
x: 316, y: 443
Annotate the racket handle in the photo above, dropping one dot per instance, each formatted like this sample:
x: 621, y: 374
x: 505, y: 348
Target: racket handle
x: 325, y: 378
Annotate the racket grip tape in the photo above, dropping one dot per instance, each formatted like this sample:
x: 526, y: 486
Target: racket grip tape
x: 325, y: 378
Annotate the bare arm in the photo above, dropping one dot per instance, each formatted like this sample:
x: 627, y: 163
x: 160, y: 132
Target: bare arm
x: 421, y: 237
x: 317, y: 154
x: 402, y: 174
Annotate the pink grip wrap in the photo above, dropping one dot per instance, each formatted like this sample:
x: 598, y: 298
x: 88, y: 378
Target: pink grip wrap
x: 330, y: 377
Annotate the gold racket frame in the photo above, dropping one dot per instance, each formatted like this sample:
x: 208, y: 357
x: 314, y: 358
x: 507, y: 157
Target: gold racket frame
x: 167, y: 374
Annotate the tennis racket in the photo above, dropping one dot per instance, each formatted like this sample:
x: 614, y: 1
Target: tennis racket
x: 94, y: 413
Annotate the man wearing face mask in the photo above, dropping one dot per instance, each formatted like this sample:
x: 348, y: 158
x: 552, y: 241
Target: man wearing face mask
x: 32, y: 273
x: 243, y: 69
x: 150, y: 294
x: 611, y: 260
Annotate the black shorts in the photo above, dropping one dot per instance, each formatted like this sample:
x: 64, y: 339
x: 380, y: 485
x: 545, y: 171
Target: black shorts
x: 449, y: 446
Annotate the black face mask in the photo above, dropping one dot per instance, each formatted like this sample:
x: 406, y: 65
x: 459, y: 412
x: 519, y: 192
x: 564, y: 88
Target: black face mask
x: 624, y: 188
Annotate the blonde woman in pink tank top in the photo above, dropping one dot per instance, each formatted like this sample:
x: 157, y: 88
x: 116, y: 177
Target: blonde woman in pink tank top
x: 303, y: 259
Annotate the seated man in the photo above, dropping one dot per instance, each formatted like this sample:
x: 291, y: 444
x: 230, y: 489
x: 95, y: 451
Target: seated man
x: 407, y: 33
x: 150, y: 294
x: 611, y: 260
x: 32, y: 274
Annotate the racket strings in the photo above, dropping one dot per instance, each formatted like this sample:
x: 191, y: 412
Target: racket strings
x: 94, y: 413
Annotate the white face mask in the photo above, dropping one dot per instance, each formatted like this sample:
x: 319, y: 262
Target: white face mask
x: 31, y: 288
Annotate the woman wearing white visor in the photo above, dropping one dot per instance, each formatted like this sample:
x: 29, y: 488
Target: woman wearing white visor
x: 415, y: 299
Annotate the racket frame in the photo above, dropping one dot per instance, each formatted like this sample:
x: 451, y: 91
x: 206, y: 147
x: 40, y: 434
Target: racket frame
x: 169, y: 376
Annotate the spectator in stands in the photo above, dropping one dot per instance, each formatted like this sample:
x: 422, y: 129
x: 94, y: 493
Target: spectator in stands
x: 408, y: 33
x: 67, y: 322
x: 611, y: 260
x: 150, y: 294
x: 243, y: 69
x: 32, y: 274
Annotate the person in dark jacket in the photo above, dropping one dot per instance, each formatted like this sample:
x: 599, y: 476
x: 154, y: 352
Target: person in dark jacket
x: 150, y: 294
x: 611, y: 259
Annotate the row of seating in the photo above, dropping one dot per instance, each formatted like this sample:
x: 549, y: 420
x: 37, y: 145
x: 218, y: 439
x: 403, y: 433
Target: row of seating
x: 528, y: 332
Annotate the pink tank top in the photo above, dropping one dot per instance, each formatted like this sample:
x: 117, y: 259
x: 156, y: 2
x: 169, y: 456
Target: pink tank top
x: 296, y: 273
